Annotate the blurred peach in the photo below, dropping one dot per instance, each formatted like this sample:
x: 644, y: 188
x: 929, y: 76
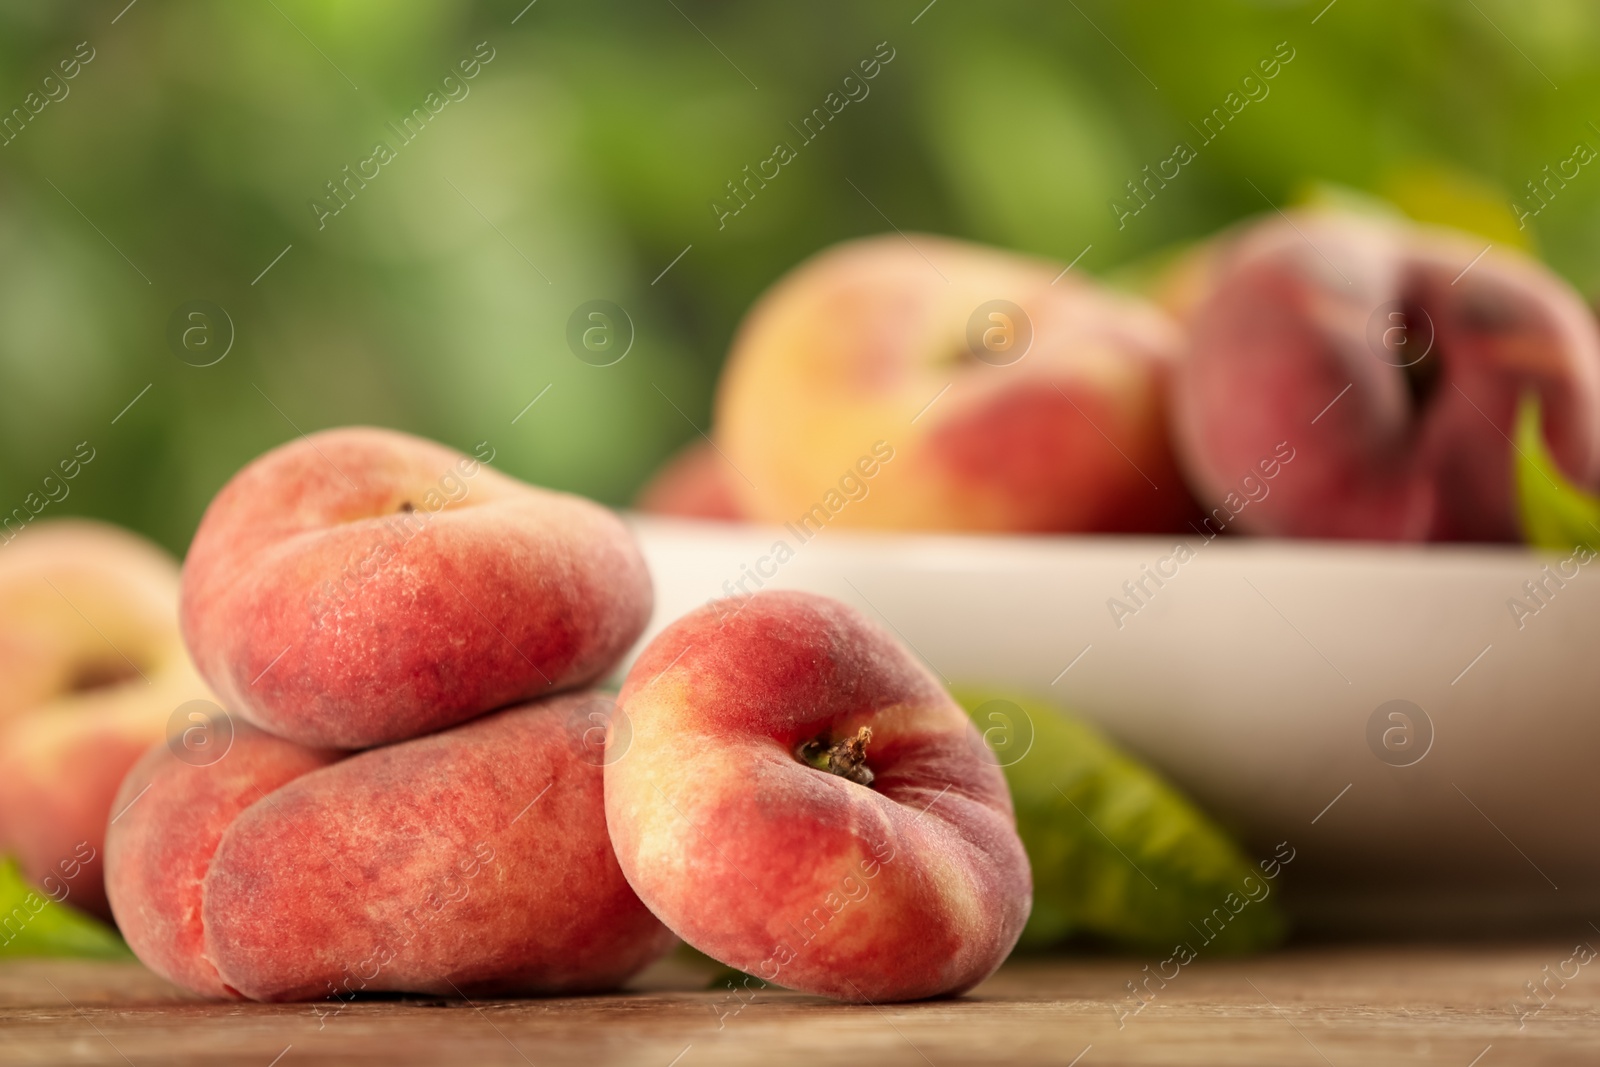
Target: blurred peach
x: 982, y: 390
x: 90, y: 649
x: 1388, y: 356
x: 694, y: 483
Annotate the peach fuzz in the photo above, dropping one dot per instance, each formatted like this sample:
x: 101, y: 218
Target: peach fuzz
x: 472, y: 861
x: 171, y: 817
x: 896, y: 875
x: 94, y: 665
x: 1391, y: 358
x: 859, y: 345
x: 361, y: 586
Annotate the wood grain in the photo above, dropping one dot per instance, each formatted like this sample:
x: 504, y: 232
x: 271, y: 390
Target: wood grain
x: 1316, y: 1006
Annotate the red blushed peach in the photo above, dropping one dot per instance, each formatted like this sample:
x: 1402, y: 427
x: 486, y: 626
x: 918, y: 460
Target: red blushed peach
x: 803, y: 801
x: 360, y: 586
x: 1388, y: 358
x: 1055, y: 420
x: 474, y: 860
x: 94, y: 667
x: 471, y: 861
x: 693, y: 484
x: 59, y: 772
x: 170, y: 816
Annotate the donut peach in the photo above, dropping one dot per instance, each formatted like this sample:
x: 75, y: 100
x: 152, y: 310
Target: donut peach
x: 360, y: 586
x: 926, y: 383
x: 1387, y: 359
x: 803, y: 802
x: 471, y: 861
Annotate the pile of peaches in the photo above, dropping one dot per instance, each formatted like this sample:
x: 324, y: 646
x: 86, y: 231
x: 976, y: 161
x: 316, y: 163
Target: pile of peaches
x: 356, y: 744
x: 408, y: 784
x: 1387, y: 359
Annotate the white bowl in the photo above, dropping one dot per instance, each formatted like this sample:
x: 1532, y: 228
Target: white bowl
x: 1252, y: 676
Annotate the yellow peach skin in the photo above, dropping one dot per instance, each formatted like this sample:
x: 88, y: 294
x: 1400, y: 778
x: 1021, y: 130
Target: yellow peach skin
x: 95, y: 667
x: 871, y: 344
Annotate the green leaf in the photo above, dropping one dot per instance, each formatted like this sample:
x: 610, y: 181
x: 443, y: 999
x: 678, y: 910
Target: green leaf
x: 1118, y: 853
x: 32, y: 924
x: 1556, y: 514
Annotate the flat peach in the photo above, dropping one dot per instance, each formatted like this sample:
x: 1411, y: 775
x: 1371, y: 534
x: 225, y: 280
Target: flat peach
x: 470, y: 861
x: 171, y: 817
x: 361, y: 586
x: 924, y: 383
x: 894, y: 874
x: 1386, y: 357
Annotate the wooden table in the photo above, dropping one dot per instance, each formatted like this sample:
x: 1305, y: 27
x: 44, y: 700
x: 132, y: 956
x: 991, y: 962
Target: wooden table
x: 1363, y: 1005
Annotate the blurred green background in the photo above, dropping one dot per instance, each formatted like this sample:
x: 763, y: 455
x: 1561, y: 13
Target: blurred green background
x: 182, y: 158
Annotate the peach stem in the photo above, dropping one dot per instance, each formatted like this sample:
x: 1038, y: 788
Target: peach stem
x: 847, y: 758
